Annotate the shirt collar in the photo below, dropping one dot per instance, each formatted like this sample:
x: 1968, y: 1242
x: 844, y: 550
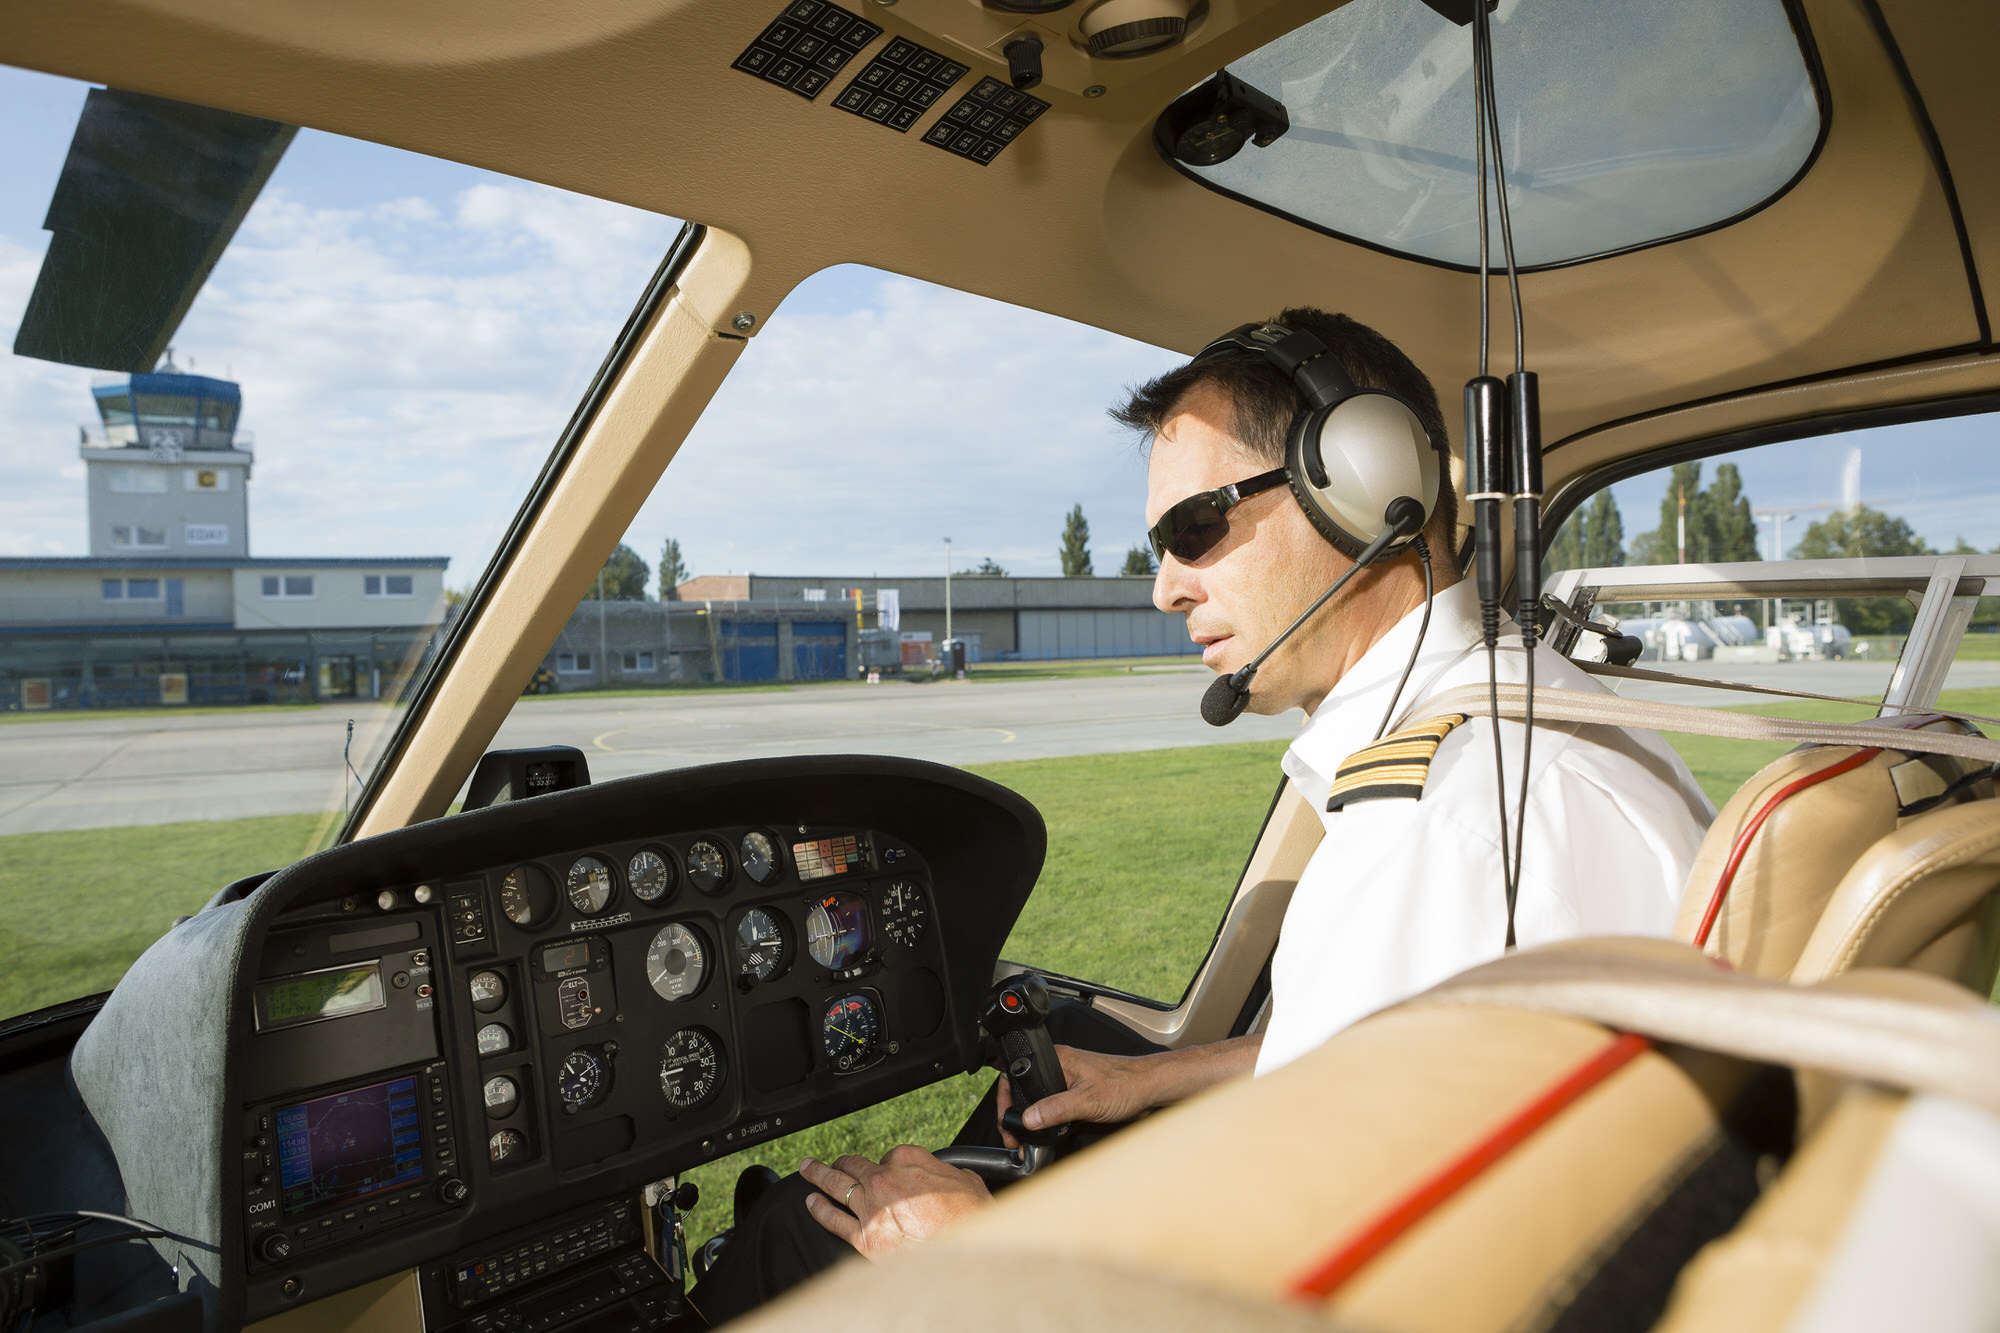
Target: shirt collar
x: 1346, y: 719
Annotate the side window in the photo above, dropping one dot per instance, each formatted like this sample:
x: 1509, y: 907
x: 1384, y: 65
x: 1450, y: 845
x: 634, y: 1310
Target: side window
x: 320, y: 406
x: 1920, y: 489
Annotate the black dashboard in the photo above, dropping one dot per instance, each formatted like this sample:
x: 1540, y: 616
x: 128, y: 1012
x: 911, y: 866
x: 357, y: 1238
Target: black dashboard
x: 442, y: 1034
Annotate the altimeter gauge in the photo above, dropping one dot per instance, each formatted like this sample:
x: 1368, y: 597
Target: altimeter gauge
x: 763, y: 945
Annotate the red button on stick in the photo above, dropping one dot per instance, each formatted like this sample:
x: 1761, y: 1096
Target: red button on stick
x: 1010, y: 1001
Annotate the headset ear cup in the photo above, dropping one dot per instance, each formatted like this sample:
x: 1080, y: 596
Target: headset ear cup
x: 1350, y: 459
x: 1305, y: 469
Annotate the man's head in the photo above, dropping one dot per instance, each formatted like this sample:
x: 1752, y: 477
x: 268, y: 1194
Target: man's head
x: 1226, y: 419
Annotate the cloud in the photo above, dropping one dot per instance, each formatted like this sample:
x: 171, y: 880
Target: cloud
x: 854, y: 442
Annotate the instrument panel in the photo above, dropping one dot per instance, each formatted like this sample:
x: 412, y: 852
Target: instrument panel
x: 694, y: 985
x: 430, y: 1038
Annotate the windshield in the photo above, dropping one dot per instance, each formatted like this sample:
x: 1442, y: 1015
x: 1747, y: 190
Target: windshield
x: 232, y: 532
x: 1605, y: 149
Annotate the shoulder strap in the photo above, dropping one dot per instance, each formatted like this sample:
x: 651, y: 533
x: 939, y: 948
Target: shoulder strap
x: 1611, y: 710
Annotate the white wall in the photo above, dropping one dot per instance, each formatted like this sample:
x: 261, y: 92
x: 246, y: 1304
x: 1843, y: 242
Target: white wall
x: 338, y: 601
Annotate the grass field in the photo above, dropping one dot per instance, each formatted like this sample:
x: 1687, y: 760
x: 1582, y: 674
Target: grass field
x: 1143, y: 849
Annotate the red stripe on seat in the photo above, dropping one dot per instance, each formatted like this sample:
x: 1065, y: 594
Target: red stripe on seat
x: 1742, y: 846
x: 1386, y: 1229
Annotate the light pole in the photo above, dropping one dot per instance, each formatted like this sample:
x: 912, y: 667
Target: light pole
x: 947, y: 591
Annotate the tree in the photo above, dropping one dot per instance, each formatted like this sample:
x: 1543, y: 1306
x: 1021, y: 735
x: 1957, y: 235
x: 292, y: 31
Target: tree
x: 1139, y: 563
x: 623, y: 578
x: 989, y: 568
x: 1858, y: 532
x: 1594, y: 536
x: 1076, y: 545
x: 673, y: 570
x: 1729, y: 531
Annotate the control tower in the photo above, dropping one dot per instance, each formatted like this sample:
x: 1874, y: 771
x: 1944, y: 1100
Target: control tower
x: 167, y: 471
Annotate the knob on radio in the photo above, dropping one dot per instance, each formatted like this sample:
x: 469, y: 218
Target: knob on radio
x: 275, y: 1247
x: 453, y: 1191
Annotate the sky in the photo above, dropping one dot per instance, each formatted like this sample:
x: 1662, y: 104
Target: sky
x: 411, y: 336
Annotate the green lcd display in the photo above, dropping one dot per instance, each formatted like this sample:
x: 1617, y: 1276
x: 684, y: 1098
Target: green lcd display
x: 308, y: 996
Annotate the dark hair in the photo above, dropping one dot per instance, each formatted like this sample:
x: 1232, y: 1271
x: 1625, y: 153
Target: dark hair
x: 1263, y: 400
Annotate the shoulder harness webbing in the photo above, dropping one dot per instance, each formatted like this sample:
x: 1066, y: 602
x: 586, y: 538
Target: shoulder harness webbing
x: 1395, y: 766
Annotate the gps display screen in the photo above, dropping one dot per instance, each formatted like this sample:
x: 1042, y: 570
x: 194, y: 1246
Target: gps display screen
x: 349, y: 1145
x: 285, y: 1001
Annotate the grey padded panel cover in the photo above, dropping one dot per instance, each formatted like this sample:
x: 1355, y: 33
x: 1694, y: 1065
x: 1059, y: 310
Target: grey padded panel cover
x: 148, y: 1068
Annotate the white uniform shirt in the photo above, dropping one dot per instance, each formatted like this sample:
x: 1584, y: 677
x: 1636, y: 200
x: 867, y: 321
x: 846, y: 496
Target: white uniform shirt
x: 1404, y: 893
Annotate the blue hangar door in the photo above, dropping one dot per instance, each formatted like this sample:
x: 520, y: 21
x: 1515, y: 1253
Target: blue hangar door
x: 819, y: 649
x: 749, y: 651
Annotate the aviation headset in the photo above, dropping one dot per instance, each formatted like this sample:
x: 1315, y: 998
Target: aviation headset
x: 1349, y: 451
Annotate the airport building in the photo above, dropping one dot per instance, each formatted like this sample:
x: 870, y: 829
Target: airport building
x: 170, y: 607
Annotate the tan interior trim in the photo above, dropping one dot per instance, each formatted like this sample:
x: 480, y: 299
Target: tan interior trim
x: 666, y: 385
x: 1756, y: 1278
x: 1249, y: 933
x: 1568, y: 461
x: 390, y: 1305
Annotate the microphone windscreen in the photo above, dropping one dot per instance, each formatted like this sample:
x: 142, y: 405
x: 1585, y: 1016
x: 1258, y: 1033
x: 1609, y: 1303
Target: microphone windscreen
x: 1223, y: 702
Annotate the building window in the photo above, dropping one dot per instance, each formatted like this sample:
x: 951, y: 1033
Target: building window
x: 642, y: 661
x: 572, y: 664
x: 814, y: 594
x: 142, y: 590
x: 113, y: 589
x: 388, y: 585
x: 288, y: 587
x: 139, y: 539
x: 138, y: 481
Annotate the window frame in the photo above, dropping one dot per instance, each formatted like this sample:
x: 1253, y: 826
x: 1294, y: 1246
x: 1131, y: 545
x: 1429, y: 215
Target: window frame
x: 278, y: 587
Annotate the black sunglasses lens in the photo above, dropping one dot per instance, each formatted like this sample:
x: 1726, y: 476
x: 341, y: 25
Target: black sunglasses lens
x: 1190, y: 529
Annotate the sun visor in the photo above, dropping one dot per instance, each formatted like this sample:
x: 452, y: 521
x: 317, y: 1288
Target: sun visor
x: 148, y: 199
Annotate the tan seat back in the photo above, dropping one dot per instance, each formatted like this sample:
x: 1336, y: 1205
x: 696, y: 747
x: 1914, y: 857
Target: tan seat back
x: 1920, y: 897
x: 1809, y: 817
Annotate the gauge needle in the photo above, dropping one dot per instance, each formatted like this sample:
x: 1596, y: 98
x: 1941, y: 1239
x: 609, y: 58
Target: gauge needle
x: 845, y: 1033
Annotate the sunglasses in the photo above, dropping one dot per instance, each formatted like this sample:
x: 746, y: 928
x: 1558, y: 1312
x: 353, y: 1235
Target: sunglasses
x: 1192, y: 528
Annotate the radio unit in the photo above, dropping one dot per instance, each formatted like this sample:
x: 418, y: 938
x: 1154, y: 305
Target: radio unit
x: 329, y: 1167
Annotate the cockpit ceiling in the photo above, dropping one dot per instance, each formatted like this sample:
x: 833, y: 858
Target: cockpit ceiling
x: 1859, y: 264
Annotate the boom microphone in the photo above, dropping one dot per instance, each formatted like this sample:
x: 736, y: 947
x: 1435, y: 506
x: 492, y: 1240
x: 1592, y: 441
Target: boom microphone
x: 1227, y: 696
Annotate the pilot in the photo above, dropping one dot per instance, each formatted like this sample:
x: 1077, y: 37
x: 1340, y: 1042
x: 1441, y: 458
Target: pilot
x: 1406, y: 887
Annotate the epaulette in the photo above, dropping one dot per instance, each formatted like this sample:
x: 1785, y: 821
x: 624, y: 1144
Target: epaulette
x: 1395, y: 766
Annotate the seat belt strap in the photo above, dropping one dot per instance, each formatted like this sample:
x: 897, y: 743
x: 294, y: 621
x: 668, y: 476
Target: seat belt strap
x: 1856, y: 1031
x: 1611, y: 710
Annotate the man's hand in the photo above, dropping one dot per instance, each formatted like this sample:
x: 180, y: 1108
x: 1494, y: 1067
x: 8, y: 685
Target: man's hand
x: 880, y: 1208
x: 1111, y: 1089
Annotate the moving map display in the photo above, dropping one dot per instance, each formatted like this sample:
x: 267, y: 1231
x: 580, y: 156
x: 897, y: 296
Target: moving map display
x: 350, y: 1144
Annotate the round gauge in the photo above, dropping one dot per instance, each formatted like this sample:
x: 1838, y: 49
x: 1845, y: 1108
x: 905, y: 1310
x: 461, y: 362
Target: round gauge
x: 501, y: 1096
x: 837, y: 930
x: 675, y: 963
x: 589, y: 885
x: 506, y: 1145
x: 760, y: 856
x: 573, y: 1004
x: 905, y: 915
x: 708, y: 865
x: 651, y: 875
x: 762, y: 946
x: 527, y: 896
x: 690, y: 1068
x: 850, y: 1031
x: 495, y: 1038
x: 489, y: 991
x: 582, y: 1078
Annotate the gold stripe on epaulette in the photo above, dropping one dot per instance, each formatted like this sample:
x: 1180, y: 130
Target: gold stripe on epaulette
x: 1397, y: 766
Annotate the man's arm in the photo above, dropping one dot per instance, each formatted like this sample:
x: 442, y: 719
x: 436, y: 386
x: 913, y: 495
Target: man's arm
x: 1108, y: 1089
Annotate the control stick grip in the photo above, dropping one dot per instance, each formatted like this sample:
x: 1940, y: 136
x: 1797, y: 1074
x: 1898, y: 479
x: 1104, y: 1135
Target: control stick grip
x: 1016, y: 1018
